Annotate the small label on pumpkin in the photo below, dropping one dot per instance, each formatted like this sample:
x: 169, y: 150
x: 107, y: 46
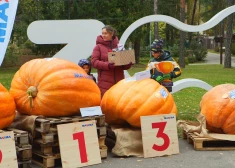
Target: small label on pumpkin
x: 163, y: 93
x: 77, y: 75
x: 232, y: 94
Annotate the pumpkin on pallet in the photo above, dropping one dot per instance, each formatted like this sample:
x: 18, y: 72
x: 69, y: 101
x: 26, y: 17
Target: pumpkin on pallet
x: 126, y: 101
x: 218, y: 107
x: 7, y: 107
x: 53, y: 87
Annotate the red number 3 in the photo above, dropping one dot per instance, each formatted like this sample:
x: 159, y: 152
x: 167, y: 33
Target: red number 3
x: 161, y: 134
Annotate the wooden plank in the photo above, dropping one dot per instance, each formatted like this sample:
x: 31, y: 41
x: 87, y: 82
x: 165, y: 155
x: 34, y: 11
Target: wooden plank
x: 24, y: 164
x: 102, y: 141
x: 44, y: 160
x: 46, y: 148
x: 101, y: 131
x: 103, y: 152
x: 24, y: 154
x: 44, y: 124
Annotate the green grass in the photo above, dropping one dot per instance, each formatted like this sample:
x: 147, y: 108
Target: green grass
x: 187, y: 100
x: 6, y: 75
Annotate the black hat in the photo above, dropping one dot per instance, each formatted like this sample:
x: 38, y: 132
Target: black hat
x: 157, y: 45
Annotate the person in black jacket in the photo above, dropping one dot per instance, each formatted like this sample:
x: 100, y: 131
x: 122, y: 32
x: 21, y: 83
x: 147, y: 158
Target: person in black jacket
x: 160, y: 55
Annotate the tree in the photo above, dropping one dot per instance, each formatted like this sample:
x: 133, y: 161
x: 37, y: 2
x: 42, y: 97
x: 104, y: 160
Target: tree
x: 192, y: 19
x: 156, y: 23
x: 227, y: 58
x: 182, y: 35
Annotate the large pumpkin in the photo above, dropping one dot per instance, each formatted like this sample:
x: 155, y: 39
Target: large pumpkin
x: 218, y: 107
x: 7, y: 107
x: 128, y: 100
x: 53, y: 87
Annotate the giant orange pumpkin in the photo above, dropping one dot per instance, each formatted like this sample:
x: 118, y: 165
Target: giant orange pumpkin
x: 218, y: 107
x: 7, y: 107
x: 126, y: 101
x: 53, y: 87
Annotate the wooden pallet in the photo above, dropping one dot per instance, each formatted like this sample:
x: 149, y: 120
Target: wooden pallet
x: 21, y: 137
x: 208, y: 143
x: 48, y: 154
x: 50, y: 148
x: 46, y: 160
x: 23, y: 148
x: 46, y: 124
x: 24, y: 164
x: 46, y: 143
x: 52, y: 135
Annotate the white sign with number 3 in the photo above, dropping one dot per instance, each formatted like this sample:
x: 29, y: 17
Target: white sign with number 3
x: 159, y: 135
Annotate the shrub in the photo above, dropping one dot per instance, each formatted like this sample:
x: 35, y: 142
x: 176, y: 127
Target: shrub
x: 199, y: 51
x: 175, y: 49
x: 11, y: 58
x: 185, y: 60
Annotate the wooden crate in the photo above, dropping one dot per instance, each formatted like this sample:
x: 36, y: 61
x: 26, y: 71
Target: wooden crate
x: 45, y: 124
x: 23, y: 148
x: 208, y: 143
x: 46, y: 160
x: 46, y: 150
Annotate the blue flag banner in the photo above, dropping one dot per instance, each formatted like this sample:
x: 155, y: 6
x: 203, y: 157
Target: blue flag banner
x: 7, y: 17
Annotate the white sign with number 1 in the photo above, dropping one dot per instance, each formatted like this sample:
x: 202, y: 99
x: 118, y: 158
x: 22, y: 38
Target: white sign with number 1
x: 79, y: 144
x: 159, y: 135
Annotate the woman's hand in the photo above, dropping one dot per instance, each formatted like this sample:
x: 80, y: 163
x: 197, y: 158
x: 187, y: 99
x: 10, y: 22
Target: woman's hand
x: 111, y: 65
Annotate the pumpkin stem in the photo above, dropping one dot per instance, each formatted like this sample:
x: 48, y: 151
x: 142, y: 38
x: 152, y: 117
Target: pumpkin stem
x: 32, y: 92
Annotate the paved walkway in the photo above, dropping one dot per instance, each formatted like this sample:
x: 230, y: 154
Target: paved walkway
x: 214, y: 58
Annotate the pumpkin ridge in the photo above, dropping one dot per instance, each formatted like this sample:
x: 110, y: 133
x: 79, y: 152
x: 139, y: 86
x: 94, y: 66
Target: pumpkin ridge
x: 54, y: 67
x: 45, y: 80
x: 172, y: 105
x: 217, y: 116
x: 131, y: 114
x: 140, y: 110
x: 123, y: 96
x: 223, y: 127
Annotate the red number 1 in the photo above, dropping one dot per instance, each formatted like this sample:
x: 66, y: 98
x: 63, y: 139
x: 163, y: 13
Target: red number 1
x: 81, y: 146
x: 160, y: 134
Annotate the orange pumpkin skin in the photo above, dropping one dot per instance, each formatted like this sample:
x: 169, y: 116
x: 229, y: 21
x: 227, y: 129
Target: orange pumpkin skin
x: 218, y: 107
x: 7, y: 107
x: 127, y: 101
x: 58, y: 88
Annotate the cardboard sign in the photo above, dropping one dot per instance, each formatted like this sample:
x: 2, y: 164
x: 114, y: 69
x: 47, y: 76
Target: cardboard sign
x: 142, y: 75
x: 122, y: 57
x: 91, y: 111
x: 8, y: 156
x: 159, y: 135
x: 79, y: 144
